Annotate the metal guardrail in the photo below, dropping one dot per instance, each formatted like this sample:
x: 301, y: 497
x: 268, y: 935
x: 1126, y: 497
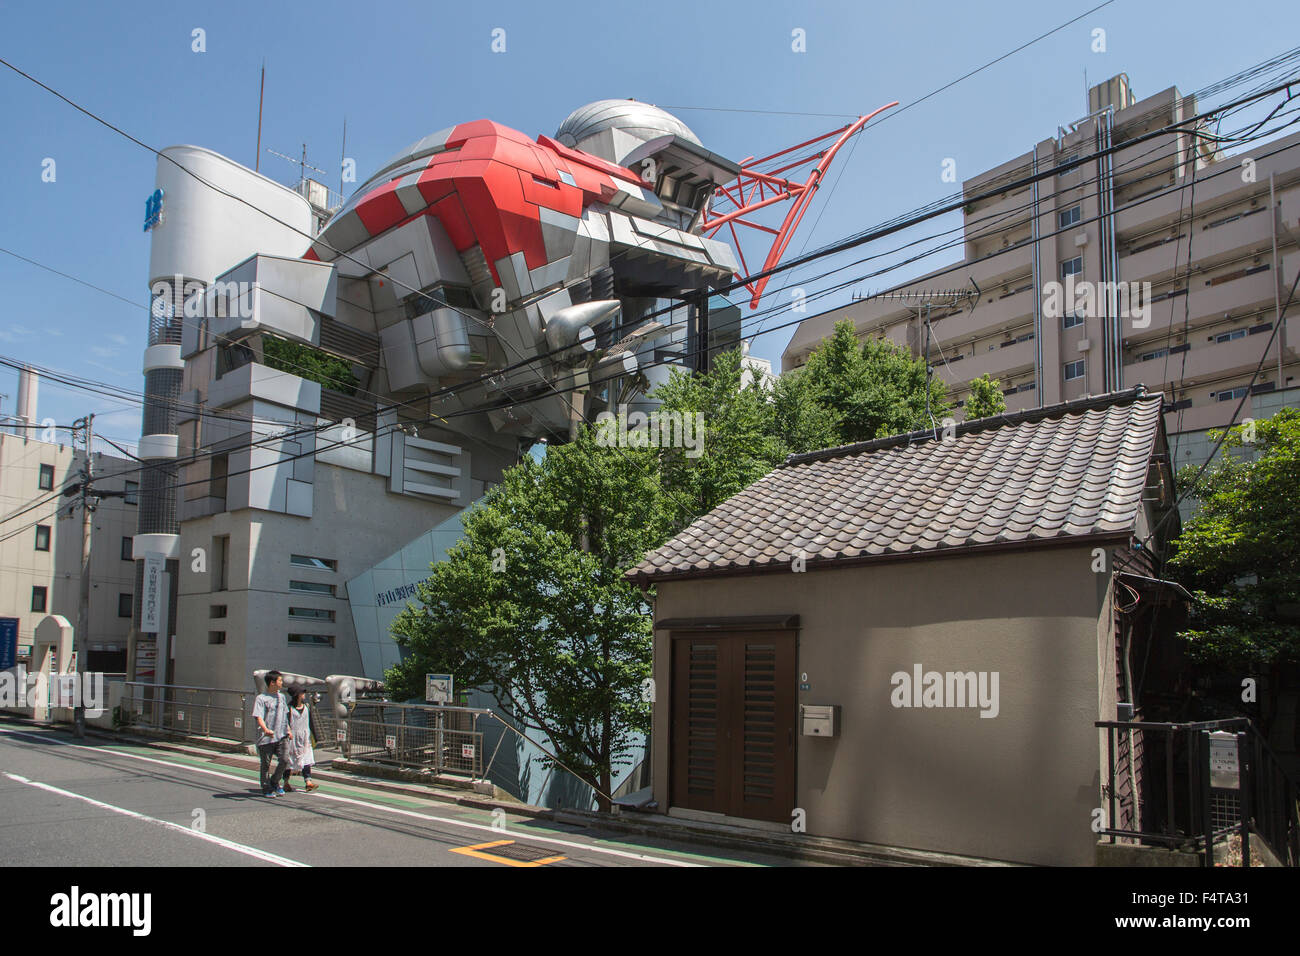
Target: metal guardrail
x: 193, y: 711
x: 1170, y: 794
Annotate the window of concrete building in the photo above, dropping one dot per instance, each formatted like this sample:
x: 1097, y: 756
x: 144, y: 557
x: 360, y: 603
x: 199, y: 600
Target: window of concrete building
x: 216, y: 610
x: 45, y: 481
x: 1070, y: 216
x: 221, y: 562
x: 1072, y: 267
x: 1229, y: 394
x: 216, y: 637
x: 1074, y: 370
x: 124, y: 605
x: 1071, y: 319
x: 38, y: 599
x: 220, y: 466
x: 132, y: 497
x: 128, y: 553
x: 312, y: 587
x: 306, y: 561
x: 312, y: 640
x: 312, y: 613
x: 1229, y: 336
x: 42, y: 537
x: 1067, y: 158
x: 1148, y: 356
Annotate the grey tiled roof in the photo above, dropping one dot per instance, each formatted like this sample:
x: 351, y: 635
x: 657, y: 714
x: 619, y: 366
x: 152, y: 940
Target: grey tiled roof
x: 1068, y: 470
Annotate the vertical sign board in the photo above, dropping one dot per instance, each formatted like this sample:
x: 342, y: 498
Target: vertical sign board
x: 8, y: 642
x: 1225, y: 773
x: 438, y: 688
x: 155, y: 562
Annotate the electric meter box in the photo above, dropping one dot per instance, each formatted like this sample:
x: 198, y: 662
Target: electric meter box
x: 819, y: 720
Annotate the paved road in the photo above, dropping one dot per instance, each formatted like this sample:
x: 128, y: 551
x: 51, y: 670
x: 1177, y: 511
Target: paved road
x: 99, y: 803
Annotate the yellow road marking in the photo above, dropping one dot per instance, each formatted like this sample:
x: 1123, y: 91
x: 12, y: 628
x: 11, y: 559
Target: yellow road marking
x: 479, y: 849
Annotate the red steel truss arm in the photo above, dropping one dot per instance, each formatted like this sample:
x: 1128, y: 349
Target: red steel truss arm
x: 800, y: 195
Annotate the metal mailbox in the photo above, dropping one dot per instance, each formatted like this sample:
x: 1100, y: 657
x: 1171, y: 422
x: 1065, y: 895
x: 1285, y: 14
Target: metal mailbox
x: 819, y: 720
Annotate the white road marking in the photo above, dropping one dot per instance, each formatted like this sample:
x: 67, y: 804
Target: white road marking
x: 318, y: 795
x: 206, y: 837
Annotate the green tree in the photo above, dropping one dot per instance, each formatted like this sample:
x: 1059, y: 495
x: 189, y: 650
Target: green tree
x: 985, y: 399
x: 531, y: 604
x: 310, y: 363
x: 734, y: 442
x: 851, y: 391
x: 1239, y: 554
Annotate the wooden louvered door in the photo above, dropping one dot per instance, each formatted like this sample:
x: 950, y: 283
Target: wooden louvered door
x: 733, y: 724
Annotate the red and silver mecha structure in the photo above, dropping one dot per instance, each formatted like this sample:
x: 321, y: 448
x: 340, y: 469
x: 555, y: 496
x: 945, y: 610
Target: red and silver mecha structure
x: 577, y: 268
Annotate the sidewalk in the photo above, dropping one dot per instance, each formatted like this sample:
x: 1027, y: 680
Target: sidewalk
x: 795, y: 847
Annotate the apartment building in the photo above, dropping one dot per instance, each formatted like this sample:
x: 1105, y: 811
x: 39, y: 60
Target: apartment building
x: 1200, y: 248
x: 40, y: 549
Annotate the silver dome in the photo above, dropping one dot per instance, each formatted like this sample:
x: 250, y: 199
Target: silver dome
x: 641, y: 121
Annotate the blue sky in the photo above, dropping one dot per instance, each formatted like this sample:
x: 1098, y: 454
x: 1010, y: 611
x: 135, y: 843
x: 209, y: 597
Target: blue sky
x: 397, y: 71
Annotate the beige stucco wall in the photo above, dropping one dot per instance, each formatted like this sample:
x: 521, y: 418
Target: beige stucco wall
x: 1020, y: 786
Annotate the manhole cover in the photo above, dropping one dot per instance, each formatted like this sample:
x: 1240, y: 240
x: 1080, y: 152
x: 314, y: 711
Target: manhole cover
x: 520, y: 852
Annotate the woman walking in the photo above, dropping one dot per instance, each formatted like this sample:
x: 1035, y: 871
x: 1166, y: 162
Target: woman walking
x: 301, y: 757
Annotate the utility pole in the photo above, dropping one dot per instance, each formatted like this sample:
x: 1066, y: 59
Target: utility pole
x: 83, y: 614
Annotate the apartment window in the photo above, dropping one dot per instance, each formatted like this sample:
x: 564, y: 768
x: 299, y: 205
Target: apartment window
x: 221, y: 564
x: 312, y: 640
x: 42, y: 537
x: 1148, y: 356
x: 1067, y: 158
x: 1071, y: 319
x: 1229, y: 336
x: 38, y: 599
x: 216, y: 637
x: 312, y: 587
x: 312, y: 613
x: 1072, y: 267
x: 219, y: 468
x: 128, y: 553
x: 1070, y: 216
x: 1231, y: 394
x: 131, y: 497
x: 1073, y: 370
x: 306, y: 561
x: 45, y: 482
x: 216, y: 610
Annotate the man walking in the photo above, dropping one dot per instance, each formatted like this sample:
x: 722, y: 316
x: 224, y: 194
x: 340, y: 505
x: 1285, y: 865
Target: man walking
x: 271, y: 712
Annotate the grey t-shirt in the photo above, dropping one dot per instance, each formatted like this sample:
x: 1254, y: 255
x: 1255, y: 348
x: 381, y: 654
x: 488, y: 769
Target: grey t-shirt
x: 274, y: 711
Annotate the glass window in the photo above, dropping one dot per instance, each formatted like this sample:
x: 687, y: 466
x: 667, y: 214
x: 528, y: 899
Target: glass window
x: 312, y: 587
x: 124, y: 605
x: 38, y: 599
x: 1231, y: 394
x: 1072, y: 267
x: 306, y: 561
x: 312, y: 640
x: 42, y: 537
x: 128, y: 553
x: 216, y: 637
x: 1070, y: 216
x: 131, y: 497
x: 1073, y: 370
x: 1071, y: 319
x: 45, y: 482
x: 1229, y: 336
x: 314, y: 613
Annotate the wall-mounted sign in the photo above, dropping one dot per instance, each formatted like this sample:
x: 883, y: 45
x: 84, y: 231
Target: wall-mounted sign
x: 8, y: 642
x: 153, y: 210
x: 1225, y: 771
x: 438, y: 688
x: 467, y: 751
x: 151, y: 602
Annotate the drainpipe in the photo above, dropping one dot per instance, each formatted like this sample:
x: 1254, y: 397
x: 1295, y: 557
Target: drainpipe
x: 1038, y: 294
x: 1277, y: 280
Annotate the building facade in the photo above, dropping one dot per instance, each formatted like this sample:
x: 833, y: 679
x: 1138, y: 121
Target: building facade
x: 40, y: 550
x: 1201, y: 249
